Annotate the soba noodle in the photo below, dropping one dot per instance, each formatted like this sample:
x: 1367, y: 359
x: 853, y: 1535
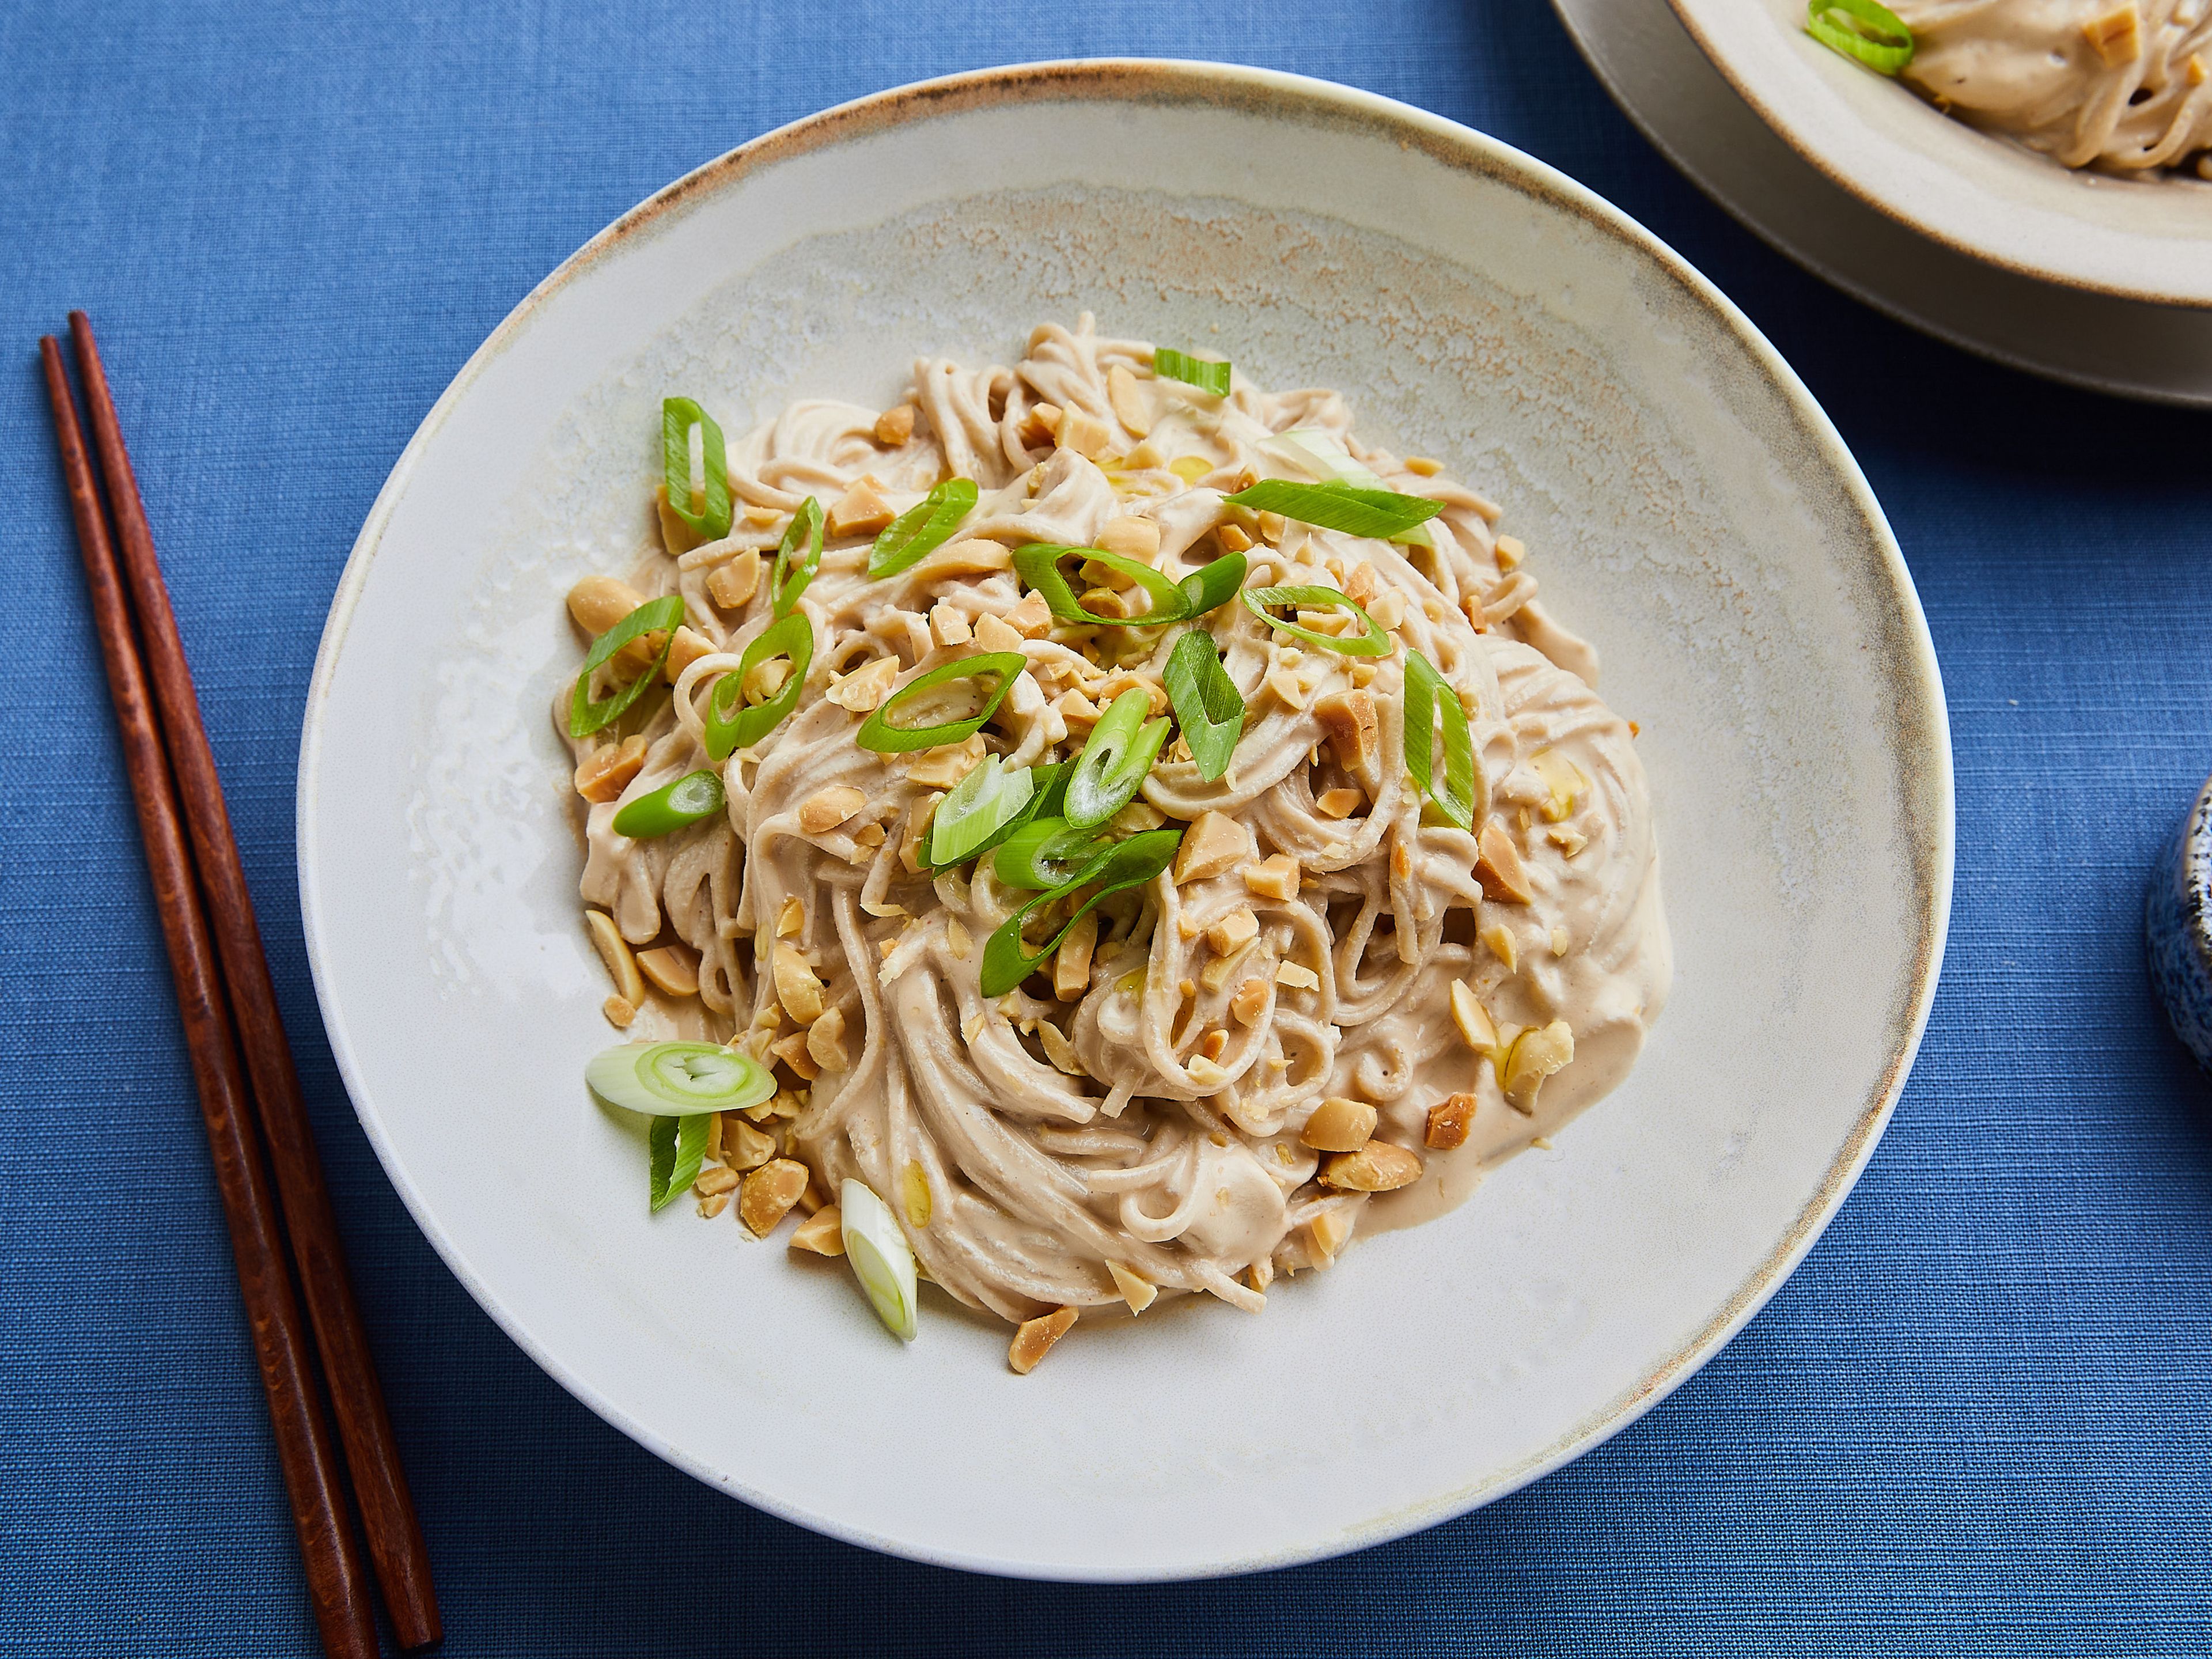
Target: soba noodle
x: 1136, y: 1116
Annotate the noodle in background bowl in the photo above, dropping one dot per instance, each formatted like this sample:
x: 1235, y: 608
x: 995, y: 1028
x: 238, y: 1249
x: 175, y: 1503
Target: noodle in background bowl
x: 2133, y: 239
x: 1698, y: 518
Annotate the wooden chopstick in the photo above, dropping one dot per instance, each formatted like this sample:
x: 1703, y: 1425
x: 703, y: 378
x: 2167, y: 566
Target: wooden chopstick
x: 337, y: 1580
x: 380, y: 1483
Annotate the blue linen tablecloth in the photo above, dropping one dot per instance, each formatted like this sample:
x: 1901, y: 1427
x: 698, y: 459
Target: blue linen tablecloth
x: 1975, y: 1420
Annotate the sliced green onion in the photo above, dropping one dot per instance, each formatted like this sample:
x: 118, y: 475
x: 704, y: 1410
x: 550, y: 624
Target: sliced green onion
x: 1124, y: 863
x: 679, y: 418
x: 882, y: 1258
x: 1381, y: 513
x: 1039, y: 566
x: 676, y: 1079
x: 1115, y: 758
x: 653, y: 617
x: 678, y: 1146
x: 1048, y: 786
x: 885, y: 736
x: 797, y: 558
x: 921, y: 529
x: 1260, y: 600
x: 1427, y: 695
x: 1210, y: 586
x: 980, y: 805
x: 1872, y: 33
x: 1318, y: 454
x: 730, y: 724
x: 1044, y: 853
x: 1207, y: 374
x: 1206, y: 702
x: 693, y: 796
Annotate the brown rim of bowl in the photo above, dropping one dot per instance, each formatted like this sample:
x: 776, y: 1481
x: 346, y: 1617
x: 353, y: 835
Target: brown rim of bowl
x: 1936, y: 233
x: 1167, y: 80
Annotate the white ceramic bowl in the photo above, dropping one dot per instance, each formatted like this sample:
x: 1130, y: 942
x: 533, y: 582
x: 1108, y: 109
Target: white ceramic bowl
x: 2131, y: 239
x: 1690, y: 508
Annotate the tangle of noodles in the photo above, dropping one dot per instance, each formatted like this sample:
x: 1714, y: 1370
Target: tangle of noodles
x: 2125, y: 85
x: 1149, y: 1113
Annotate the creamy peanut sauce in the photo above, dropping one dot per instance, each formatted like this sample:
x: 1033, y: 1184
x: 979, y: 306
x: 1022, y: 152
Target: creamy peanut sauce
x: 1149, y: 1113
x: 2124, y: 87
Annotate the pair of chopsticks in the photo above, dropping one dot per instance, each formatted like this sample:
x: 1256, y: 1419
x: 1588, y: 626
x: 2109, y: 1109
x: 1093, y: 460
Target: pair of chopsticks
x: 228, y: 1003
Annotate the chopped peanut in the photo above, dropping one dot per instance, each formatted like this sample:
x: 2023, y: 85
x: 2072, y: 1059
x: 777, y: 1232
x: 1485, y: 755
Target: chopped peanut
x: 1422, y: 466
x: 2115, y: 36
x: 1128, y: 404
x: 744, y: 1148
x: 1535, y: 1055
x: 970, y: 557
x: 823, y: 1233
x: 1071, y: 966
x: 1287, y: 687
x: 825, y: 1040
x: 765, y: 679
x: 1059, y: 1050
x: 1251, y: 999
x: 677, y: 537
x: 791, y: 1051
x: 942, y: 767
x: 606, y: 771
x: 716, y: 1180
x: 860, y: 511
x: 1353, y: 730
x: 597, y: 603
x: 1215, y: 1044
x: 1213, y: 846
x: 1337, y: 803
x: 826, y: 809
x: 1562, y: 782
x: 712, y: 1205
x: 672, y: 968
x: 1232, y: 539
x: 732, y: 585
x: 1297, y: 976
x: 1085, y: 433
x: 1569, y: 841
x: 1499, y: 868
x: 796, y: 986
x: 895, y: 426
x: 686, y: 648
x: 1338, y: 1125
x: 995, y: 634
x: 1234, y: 931
x: 1326, y: 1235
x: 1035, y: 1339
x: 619, y: 1010
x: 948, y: 623
x: 1472, y: 1018
x: 917, y: 833
x: 1137, y: 1291
x: 913, y: 1192
x: 865, y: 687
x: 769, y: 1193
x: 1511, y: 553
x: 1076, y: 709
x: 1039, y: 426
x: 1377, y: 1167
x: 622, y: 966
x: 1275, y: 877
x: 790, y: 917
x: 1132, y: 537
x: 1260, y: 1275
x: 1448, y: 1122
x: 1503, y: 945
x: 1030, y: 617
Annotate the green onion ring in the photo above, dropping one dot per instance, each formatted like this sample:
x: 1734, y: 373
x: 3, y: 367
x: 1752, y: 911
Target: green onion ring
x: 1260, y: 600
x: 673, y: 807
x: 1207, y: 702
x: 1044, y: 853
x: 678, y: 415
x: 981, y: 805
x: 1047, y: 784
x: 1207, y: 374
x: 1874, y: 34
x: 678, y: 1147
x: 1427, y: 695
x: 676, y: 1079
x: 921, y: 529
x: 878, y: 733
x: 731, y: 727
x: 1210, y: 586
x: 1114, y: 761
x: 794, y: 569
x: 1039, y: 566
x: 1381, y: 514
x: 653, y: 617
x: 1125, y: 864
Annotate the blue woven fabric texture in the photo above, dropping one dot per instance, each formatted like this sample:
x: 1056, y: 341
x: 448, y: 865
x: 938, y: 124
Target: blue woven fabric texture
x: 1975, y: 1421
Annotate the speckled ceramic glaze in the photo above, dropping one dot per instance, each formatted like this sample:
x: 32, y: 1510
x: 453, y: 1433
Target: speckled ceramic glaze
x: 1691, y: 510
x: 2177, y: 929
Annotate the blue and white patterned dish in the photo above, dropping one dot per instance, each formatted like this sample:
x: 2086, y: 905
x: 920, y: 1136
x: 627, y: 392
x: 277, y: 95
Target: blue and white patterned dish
x: 2177, y: 929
